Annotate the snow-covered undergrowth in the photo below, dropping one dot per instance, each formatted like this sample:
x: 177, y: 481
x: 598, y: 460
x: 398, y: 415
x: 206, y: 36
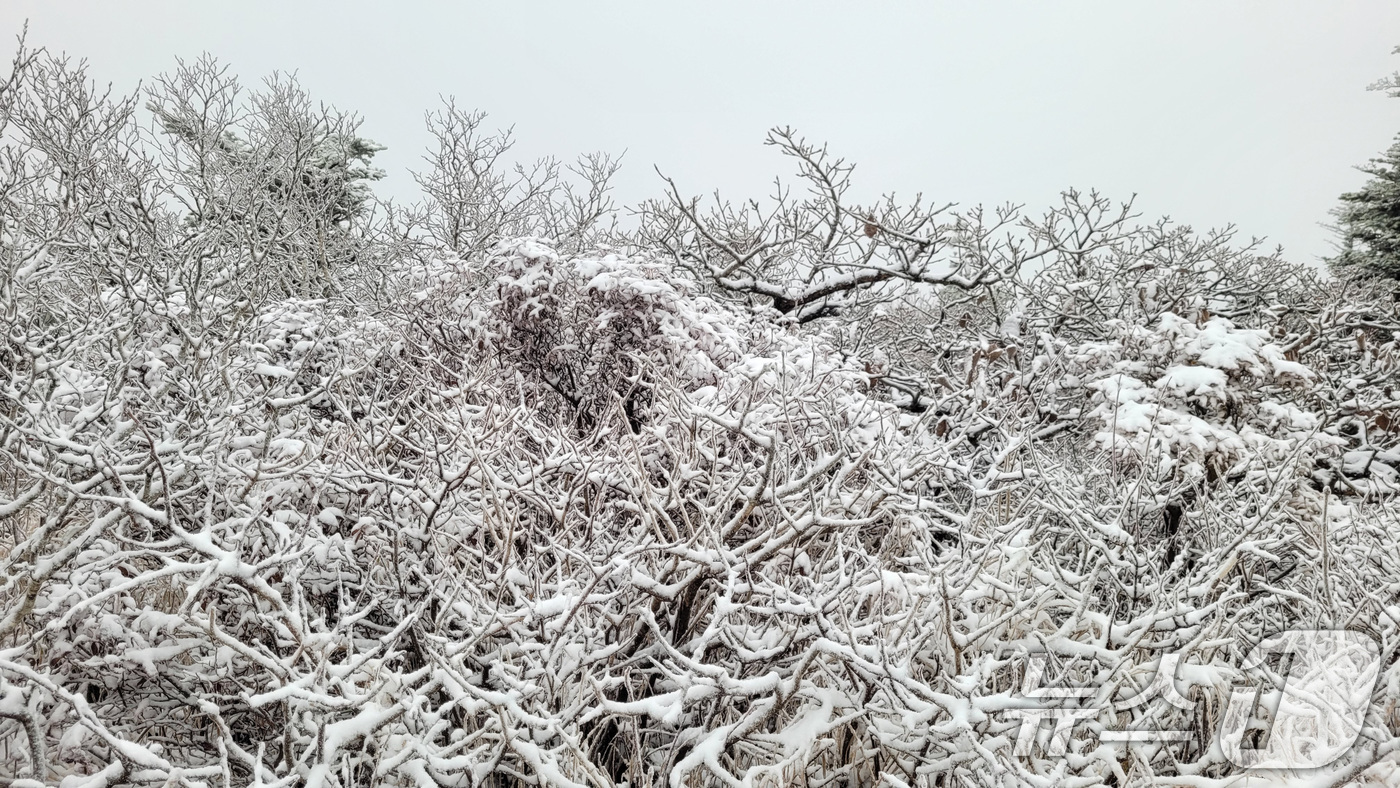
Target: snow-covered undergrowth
x: 554, y: 516
x: 579, y: 526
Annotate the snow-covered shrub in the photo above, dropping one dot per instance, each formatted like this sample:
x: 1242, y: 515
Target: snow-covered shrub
x: 600, y: 333
x: 1194, y: 400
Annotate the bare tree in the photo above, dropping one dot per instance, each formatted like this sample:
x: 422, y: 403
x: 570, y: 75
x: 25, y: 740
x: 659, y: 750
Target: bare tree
x: 475, y: 199
x: 813, y: 254
x: 269, y: 181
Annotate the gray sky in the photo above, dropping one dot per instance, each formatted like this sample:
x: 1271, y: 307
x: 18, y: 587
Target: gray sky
x: 1252, y: 113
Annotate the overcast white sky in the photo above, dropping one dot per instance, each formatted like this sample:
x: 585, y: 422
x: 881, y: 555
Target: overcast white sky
x: 1252, y: 113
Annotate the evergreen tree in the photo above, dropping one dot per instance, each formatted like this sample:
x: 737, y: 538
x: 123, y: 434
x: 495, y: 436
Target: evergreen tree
x: 1369, y: 219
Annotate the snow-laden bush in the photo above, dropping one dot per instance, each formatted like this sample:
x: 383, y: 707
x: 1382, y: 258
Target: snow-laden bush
x: 354, y: 571
x: 1193, y: 399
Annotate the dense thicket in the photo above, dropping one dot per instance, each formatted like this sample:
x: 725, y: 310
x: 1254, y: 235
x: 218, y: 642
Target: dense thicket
x: 299, y: 488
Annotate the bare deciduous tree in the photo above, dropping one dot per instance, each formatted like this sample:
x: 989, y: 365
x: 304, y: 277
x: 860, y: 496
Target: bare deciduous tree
x: 475, y: 201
